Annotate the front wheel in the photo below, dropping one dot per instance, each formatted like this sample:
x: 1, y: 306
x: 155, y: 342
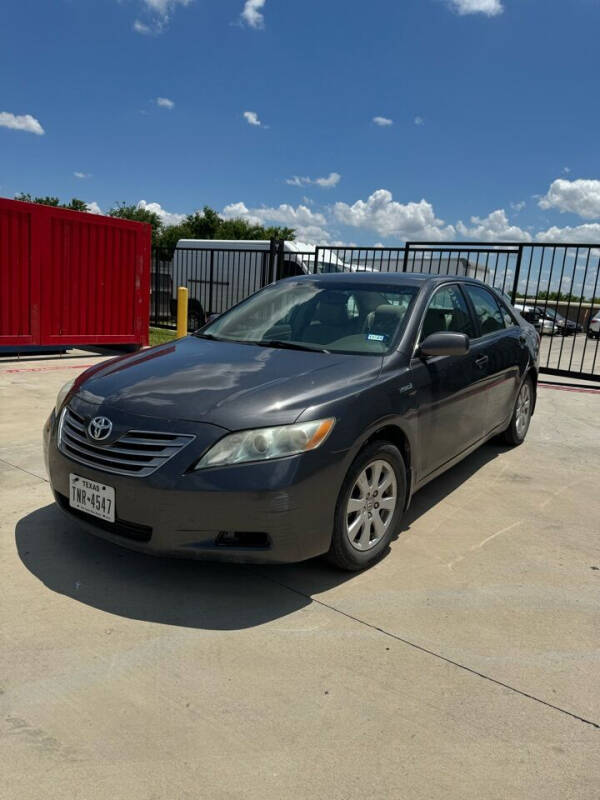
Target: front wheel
x: 519, y: 425
x: 369, y: 508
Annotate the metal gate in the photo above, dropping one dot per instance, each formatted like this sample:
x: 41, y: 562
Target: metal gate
x: 554, y: 286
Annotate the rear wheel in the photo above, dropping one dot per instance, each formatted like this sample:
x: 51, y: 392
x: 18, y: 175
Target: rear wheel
x: 369, y: 507
x: 519, y: 425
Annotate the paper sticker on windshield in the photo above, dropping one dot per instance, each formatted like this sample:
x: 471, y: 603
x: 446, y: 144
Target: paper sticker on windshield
x: 376, y: 337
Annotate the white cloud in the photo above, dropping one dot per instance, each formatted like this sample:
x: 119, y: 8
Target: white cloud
x: 419, y: 121
x: 329, y: 182
x: 309, y: 225
x: 566, y: 170
x: 382, y: 214
x: 251, y: 118
x: 23, y: 122
x: 296, y: 180
x: 164, y: 8
x: 141, y: 27
x: 161, y: 12
x: 490, y: 8
x: 252, y: 15
x: 516, y: 207
x: 82, y: 175
x: 94, y: 208
x: 583, y: 234
x: 581, y: 197
x: 167, y: 217
x: 164, y: 102
x: 383, y: 122
x: 493, y: 228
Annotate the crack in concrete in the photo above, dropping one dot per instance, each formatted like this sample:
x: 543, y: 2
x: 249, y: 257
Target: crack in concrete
x: 22, y: 469
x: 439, y: 656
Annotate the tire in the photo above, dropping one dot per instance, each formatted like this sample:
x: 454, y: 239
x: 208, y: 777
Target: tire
x: 519, y: 424
x: 362, y: 529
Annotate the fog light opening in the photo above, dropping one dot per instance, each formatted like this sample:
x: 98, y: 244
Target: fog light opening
x: 242, y: 539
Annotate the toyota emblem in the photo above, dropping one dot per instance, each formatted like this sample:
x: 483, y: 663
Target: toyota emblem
x: 100, y: 428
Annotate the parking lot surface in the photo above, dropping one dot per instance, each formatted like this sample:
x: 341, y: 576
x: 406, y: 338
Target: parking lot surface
x: 464, y: 665
x: 576, y: 353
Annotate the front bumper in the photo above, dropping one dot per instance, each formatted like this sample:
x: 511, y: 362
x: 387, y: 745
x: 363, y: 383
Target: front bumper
x: 273, y: 512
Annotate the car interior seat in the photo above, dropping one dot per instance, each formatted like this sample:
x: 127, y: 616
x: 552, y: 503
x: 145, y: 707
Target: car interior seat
x: 384, y: 320
x: 330, y: 320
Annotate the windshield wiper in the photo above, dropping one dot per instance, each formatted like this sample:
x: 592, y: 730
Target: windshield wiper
x: 264, y: 343
x: 290, y: 345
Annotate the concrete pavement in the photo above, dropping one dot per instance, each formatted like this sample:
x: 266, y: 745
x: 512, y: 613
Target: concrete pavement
x: 465, y: 665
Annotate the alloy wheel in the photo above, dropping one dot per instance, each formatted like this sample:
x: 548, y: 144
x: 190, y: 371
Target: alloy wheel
x: 523, y: 411
x: 371, y: 505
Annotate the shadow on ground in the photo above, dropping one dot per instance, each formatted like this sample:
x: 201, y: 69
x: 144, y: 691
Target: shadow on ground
x: 192, y: 594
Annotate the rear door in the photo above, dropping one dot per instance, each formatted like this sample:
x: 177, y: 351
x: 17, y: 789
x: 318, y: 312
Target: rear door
x: 451, y: 401
x: 503, y: 353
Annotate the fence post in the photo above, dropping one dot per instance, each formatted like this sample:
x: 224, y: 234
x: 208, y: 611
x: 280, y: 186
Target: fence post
x: 211, y: 282
x: 270, y: 276
x: 280, y: 258
x: 513, y: 294
x: 316, y: 259
x: 405, y: 262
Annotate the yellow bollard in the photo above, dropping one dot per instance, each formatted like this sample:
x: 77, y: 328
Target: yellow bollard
x: 182, y: 312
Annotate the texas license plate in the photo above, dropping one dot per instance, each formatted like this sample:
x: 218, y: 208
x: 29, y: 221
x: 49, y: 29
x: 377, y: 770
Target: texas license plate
x: 92, y: 497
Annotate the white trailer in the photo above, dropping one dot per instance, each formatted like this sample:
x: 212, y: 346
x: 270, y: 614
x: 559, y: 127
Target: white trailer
x: 221, y: 273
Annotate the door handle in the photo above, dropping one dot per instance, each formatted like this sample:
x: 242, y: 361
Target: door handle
x: 481, y: 361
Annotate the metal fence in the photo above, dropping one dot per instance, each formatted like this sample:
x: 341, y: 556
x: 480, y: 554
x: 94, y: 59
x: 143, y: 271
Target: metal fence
x: 554, y: 286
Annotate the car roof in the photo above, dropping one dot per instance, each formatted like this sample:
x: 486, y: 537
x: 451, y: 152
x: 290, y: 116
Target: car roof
x: 377, y: 277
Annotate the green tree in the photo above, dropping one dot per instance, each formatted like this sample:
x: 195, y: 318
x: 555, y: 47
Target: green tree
x: 207, y: 224
x: 45, y: 201
x: 132, y: 212
x: 76, y: 205
x: 203, y: 225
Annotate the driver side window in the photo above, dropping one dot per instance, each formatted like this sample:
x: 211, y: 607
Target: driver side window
x: 447, y: 311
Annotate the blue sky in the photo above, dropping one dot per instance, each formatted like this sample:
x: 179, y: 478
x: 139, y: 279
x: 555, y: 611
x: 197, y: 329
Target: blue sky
x: 486, y: 122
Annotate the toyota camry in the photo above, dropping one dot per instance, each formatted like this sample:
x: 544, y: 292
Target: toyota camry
x: 296, y: 424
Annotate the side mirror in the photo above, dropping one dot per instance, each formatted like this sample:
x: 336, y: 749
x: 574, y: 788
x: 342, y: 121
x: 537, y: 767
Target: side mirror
x: 445, y: 343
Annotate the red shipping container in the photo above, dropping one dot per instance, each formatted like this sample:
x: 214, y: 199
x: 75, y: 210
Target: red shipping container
x: 71, y: 278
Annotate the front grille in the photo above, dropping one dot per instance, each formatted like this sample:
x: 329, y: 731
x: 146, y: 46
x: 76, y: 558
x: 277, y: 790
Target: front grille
x: 128, y: 530
x: 136, y: 453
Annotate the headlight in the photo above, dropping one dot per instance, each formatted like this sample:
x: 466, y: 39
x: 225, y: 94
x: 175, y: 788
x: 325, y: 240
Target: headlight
x: 61, y: 396
x: 266, y: 443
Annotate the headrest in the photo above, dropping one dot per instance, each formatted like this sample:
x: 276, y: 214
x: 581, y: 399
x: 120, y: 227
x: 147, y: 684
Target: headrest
x: 386, y: 318
x: 388, y: 311
x: 332, y: 309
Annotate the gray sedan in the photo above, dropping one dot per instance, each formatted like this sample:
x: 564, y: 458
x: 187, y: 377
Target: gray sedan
x: 298, y: 423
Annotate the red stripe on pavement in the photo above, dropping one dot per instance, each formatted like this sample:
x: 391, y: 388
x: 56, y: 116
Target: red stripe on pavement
x: 44, y: 369
x: 582, y: 390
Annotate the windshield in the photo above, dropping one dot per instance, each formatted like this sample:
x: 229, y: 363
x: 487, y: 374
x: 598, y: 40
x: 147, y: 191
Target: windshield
x: 313, y: 315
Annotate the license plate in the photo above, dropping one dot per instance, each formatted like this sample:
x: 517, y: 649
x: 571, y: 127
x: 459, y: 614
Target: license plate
x: 92, y: 497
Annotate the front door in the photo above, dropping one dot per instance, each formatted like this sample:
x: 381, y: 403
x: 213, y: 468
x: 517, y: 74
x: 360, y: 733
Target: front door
x: 451, y: 389
x: 504, y: 354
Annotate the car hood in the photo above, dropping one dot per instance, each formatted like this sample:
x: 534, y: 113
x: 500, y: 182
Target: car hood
x: 232, y: 385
